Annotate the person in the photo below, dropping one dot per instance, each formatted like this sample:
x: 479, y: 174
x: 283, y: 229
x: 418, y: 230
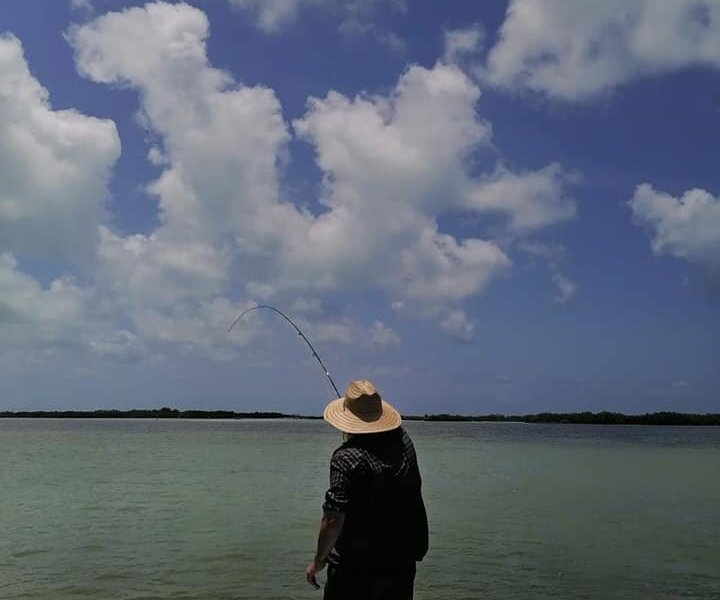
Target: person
x: 374, y: 526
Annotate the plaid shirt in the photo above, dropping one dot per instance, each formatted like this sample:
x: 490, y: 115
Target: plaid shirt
x: 375, y: 481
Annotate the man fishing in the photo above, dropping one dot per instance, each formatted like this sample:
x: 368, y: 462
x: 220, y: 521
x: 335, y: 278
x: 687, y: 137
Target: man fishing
x: 374, y: 525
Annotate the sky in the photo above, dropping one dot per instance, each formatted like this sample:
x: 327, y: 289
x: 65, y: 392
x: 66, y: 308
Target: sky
x: 483, y: 207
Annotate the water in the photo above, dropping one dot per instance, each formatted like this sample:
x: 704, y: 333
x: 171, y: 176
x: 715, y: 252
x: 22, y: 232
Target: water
x: 158, y: 509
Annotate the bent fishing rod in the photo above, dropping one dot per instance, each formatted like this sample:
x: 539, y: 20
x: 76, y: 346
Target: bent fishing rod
x: 296, y: 328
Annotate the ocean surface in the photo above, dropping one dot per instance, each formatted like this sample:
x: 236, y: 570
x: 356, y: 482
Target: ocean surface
x: 159, y: 509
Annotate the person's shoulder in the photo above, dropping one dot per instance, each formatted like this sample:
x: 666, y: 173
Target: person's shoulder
x: 408, y: 446
x: 340, y: 451
x: 347, y: 455
x: 405, y: 436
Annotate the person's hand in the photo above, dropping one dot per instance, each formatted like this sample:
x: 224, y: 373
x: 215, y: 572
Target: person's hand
x: 311, y: 573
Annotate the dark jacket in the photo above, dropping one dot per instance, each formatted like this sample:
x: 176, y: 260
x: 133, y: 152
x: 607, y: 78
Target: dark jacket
x: 375, y: 481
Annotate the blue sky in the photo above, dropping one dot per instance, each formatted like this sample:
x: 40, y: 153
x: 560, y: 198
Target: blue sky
x: 483, y: 207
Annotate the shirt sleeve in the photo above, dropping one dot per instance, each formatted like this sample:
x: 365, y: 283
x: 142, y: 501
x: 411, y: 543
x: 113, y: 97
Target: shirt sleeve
x: 339, y: 495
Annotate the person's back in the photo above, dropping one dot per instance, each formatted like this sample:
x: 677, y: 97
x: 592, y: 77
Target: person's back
x: 374, y: 525
x: 385, y: 524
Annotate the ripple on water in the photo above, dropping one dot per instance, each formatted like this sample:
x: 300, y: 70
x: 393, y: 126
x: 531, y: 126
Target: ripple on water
x: 121, y: 511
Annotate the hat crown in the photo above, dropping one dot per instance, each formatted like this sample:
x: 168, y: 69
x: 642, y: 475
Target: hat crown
x: 362, y: 410
x: 363, y: 400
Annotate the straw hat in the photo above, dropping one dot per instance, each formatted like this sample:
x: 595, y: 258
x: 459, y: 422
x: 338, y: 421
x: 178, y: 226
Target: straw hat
x: 361, y: 410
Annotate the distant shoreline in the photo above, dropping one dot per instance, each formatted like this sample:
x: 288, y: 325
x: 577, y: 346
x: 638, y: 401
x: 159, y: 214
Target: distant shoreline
x: 583, y: 418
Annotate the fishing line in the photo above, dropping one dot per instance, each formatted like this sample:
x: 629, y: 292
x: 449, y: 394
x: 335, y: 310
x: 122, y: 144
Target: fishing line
x: 296, y: 328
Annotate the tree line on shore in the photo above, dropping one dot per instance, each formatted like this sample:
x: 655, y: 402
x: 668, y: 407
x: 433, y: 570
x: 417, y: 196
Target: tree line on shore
x: 590, y: 418
x: 153, y: 413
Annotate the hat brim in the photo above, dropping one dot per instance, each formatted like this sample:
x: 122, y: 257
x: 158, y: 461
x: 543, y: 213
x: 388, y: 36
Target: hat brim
x: 348, y: 422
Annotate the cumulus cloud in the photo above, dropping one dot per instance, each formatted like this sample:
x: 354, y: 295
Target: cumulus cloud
x: 218, y: 194
x: 574, y: 50
x: 687, y: 227
x: 54, y: 168
x: 199, y: 328
x: 38, y: 322
x: 439, y: 269
x: 221, y: 140
x: 22, y: 299
x: 156, y: 272
x: 392, y: 165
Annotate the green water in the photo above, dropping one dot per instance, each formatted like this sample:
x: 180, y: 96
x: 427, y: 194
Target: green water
x: 221, y: 510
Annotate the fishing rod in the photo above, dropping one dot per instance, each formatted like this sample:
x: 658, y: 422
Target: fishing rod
x: 296, y: 328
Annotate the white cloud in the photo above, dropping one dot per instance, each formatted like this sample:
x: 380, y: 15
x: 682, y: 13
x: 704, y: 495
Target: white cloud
x: 341, y: 330
x: 566, y: 287
x: 382, y: 335
x: 462, y: 43
x: 54, y: 168
x: 222, y: 140
x: 324, y: 328
x: 554, y: 256
x: 574, y: 50
x: 531, y: 200
x: 218, y: 195
x: 154, y: 272
x: 271, y: 15
x: 197, y: 328
x: 687, y: 227
x: 458, y: 326
x: 39, y: 322
x: 85, y: 5
x: 439, y: 269
x: 22, y: 299
x: 398, y: 306
x: 392, y: 165
x: 360, y: 18
x: 121, y: 344
x: 356, y: 16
